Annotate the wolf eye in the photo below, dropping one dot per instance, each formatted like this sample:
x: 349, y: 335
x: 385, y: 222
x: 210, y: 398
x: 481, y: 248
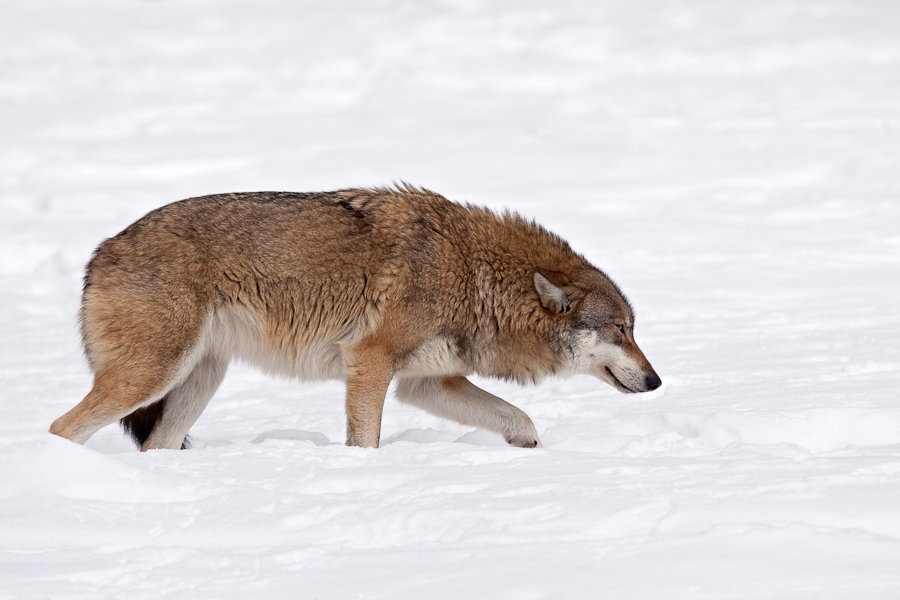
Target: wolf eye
x: 621, y: 329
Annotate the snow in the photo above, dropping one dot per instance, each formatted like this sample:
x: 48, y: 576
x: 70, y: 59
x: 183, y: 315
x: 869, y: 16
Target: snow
x: 733, y: 168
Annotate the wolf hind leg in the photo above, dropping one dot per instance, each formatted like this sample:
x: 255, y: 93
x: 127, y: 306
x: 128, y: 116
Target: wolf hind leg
x: 184, y: 403
x: 458, y: 399
x: 112, y: 397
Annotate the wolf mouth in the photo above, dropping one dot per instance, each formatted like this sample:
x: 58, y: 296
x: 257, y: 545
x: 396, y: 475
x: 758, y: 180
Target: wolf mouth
x: 619, y: 384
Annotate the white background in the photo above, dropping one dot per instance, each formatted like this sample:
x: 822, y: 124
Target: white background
x: 735, y: 167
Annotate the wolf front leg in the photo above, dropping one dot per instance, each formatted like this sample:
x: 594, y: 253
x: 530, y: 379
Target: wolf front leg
x: 369, y: 374
x: 458, y: 399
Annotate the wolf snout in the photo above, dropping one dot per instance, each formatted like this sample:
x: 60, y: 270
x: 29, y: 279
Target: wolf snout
x: 652, y: 381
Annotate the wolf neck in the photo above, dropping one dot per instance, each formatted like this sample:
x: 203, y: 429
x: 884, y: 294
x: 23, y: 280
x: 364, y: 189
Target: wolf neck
x: 472, y: 271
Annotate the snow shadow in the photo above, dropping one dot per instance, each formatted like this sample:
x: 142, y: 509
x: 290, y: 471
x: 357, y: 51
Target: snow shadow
x: 316, y: 438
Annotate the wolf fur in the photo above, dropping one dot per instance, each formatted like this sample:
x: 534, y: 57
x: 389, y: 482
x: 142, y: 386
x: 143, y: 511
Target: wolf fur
x: 359, y: 285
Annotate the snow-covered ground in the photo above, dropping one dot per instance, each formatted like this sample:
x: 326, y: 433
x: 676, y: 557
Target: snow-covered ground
x: 735, y: 167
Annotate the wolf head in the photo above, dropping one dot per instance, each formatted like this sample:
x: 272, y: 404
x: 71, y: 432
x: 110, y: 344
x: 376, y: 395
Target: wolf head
x: 597, y: 329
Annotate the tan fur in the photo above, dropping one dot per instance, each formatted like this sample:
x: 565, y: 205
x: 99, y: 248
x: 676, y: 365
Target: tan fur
x: 358, y: 285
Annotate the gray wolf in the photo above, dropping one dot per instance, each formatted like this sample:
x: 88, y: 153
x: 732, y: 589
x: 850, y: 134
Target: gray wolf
x: 358, y: 285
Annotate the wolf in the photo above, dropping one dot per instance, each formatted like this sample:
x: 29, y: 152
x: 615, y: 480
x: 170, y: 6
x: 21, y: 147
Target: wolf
x: 363, y: 286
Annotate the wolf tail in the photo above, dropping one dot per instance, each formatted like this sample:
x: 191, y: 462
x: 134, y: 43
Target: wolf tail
x: 139, y: 424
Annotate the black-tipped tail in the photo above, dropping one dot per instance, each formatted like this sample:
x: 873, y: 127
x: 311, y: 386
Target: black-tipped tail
x: 139, y: 424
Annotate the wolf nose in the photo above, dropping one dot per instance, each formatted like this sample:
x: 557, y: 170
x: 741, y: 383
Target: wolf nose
x: 652, y: 381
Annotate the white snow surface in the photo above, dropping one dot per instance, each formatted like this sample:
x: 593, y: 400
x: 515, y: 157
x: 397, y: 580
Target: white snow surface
x: 734, y: 167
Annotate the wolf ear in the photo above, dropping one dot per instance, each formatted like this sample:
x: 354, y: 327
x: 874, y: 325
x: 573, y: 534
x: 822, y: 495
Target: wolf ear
x: 556, y: 294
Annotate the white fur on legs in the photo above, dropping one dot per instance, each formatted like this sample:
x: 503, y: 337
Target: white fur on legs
x: 458, y: 399
x: 185, y: 402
